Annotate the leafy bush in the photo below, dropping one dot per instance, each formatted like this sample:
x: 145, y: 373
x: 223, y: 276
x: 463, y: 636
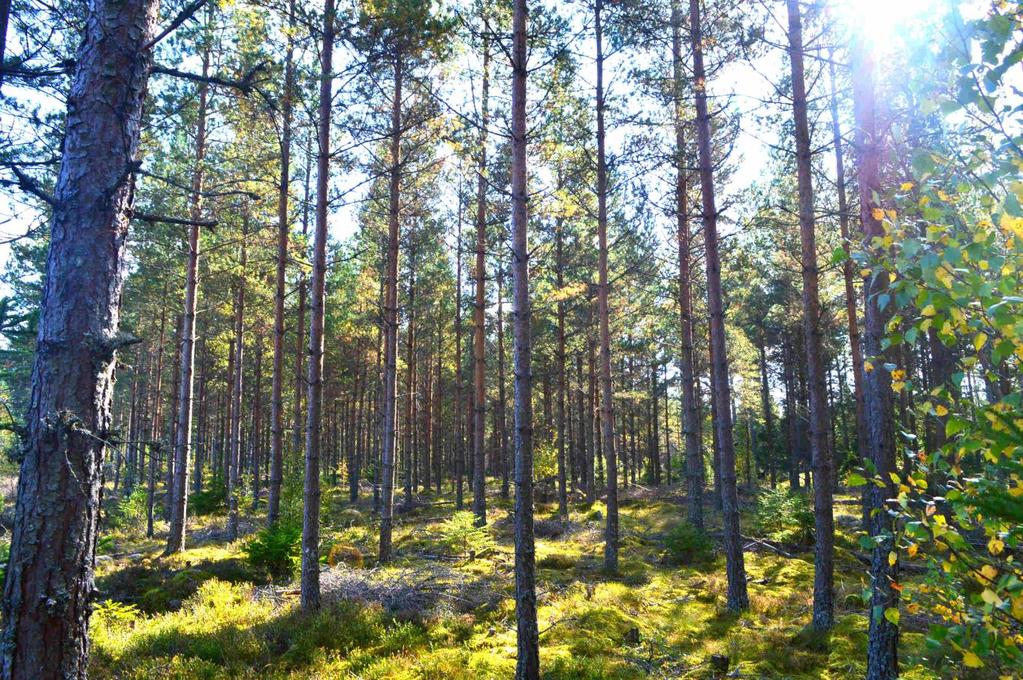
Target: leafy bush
x: 276, y: 549
x: 686, y: 544
x: 132, y: 512
x: 461, y: 536
x: 209, y: 501
x: 784, y: 516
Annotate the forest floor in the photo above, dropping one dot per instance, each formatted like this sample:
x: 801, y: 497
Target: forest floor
x: 438, y: 611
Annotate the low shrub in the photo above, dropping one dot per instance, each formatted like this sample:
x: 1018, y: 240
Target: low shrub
x: 208, y: 502
x: 460, y: 535
x: 276, y: 548
x: 687, y: 544
x: 784, y: 516
x: 132, y: 512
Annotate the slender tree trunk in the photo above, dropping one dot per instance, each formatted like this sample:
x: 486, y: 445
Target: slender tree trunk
x: 816, y: 368
x: 479, y: 481
x: 502, y: 418
x: 49, y: 582
x: 607, y: 395
x: 235, y: 456
x: 183, y: 439
x: 528, y: 644
x: 560, y: 273
x: 847, y: 274
x: 273, y: 508
x: 737, y: 595
x: 765, y: 402
x: 459, y: 454
x: 298, y: 430
x: 310, y: 583
x: 883, y: 635
x: 389, y: 415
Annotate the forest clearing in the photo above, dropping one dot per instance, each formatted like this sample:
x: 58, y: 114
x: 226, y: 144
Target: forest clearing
x: 511, y: 339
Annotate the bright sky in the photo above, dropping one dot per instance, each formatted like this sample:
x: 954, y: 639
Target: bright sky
x: 743, y: 86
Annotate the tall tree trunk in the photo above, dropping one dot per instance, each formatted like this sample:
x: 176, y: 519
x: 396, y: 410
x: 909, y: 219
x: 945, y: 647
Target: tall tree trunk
x: 459, y: 454
x: 389, y: 414
x: 765, y: 401
x: 607, y: 420
x: 298, y: 430
x: 183, y: 438
x: 502, y: 419
x: 847, y: 273
x: 310, y: 583
x: 737, y: 595
x: 883, y: 635
x: 559, y: 269
x: 49, y: 582
x: 479, y: 479
x: 273, y: 508
x: 234, y: 460
x: 816, y: 365
x: 527, y: 635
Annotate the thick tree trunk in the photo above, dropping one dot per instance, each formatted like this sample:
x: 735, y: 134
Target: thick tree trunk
x: 310, y: 579
x: 883, y: 635
x: 737, y: 595
x: 183, y: 433
x: 273, y: 508
x: 816, y: 367
x: 389, y: 414
x: 49, y: 582
x: 528, y: 643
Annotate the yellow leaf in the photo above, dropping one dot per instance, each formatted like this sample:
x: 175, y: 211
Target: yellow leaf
x: 995, y: 546
x: 906, y: 186
x: 912, y: 550
x: 892, y: 558
x: 928, y: 311
x: 971, y: 660
x: 979, y: 341
x: 989, y: 572
x: 991, y: 598
x: 868, y: 366
x: 877, y: 213
x: 941, y: 410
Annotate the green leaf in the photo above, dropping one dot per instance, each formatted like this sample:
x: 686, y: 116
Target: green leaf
x: 854, y: 479
x: 892, y: 614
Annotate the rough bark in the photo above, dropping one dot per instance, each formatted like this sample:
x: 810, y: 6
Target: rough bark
x: 183, y: 434
x: 816, y: 367
x: 737, y: 595
x: 49, y: 580
x: 883, y: 636
x: 527, y: 635
x: 389, y: 412
x: 273, y: 507
x: 310, y: 579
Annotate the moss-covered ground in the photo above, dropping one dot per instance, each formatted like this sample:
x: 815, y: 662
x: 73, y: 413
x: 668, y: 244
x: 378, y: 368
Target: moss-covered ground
x: 436, y: 612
